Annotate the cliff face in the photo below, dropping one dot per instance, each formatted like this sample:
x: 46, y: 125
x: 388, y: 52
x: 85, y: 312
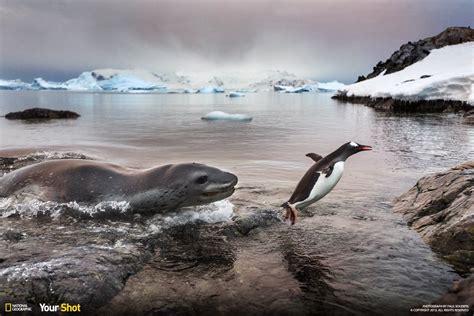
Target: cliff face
x: 410, y: 53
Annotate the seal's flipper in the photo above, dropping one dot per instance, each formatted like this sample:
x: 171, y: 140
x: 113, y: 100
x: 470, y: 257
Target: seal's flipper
x: 314, y: 156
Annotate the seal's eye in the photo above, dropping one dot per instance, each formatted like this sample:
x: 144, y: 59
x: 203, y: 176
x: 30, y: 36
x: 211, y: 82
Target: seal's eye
x: 202, y: 179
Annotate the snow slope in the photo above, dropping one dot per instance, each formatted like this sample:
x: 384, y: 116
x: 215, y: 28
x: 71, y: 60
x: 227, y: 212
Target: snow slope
x: 446, y: 73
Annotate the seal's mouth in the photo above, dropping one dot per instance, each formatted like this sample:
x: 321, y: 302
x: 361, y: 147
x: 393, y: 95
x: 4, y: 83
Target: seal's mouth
x: 226, y: 190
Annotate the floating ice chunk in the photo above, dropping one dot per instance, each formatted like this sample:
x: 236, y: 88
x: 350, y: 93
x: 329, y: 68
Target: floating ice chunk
x: 219, y: 115
x: 191, y: 90
x: 211, y: 89
x: 234, y: 94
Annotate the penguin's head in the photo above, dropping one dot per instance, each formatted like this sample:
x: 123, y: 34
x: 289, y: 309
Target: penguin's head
x: 354, y: 148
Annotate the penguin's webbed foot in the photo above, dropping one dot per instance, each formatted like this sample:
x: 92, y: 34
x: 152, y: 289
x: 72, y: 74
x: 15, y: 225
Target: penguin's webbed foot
x: 291, y: 214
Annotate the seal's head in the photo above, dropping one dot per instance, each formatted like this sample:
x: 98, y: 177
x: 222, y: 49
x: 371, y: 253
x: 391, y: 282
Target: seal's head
x: 208, y: 184
x: 191, y: 184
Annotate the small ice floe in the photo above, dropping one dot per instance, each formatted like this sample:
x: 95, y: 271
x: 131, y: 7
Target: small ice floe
x: 235, y: 94
x: 191, y: 90
x: 219, y: 115
x: 211, y: 89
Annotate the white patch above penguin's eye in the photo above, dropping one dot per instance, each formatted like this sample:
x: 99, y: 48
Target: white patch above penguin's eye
x: 353, y: 144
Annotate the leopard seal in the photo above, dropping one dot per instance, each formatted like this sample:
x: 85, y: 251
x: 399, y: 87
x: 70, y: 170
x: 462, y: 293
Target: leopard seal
x: 156, y: 190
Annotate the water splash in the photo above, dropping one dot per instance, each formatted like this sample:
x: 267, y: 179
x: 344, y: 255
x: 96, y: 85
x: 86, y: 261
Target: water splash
x: 31, y: 208
x: 220, y: 211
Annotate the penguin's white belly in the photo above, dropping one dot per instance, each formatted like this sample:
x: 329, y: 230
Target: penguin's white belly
x: 323, y: 185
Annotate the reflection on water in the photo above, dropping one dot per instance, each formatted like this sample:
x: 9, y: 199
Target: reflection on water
x: 350, y: 253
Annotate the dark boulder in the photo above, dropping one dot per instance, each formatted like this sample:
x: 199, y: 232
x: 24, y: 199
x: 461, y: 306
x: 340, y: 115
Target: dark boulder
x: 41, y: 114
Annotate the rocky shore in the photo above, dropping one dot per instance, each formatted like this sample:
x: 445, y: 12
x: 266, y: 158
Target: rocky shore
x: 432, y: 75
x: 405, y: 106
x: 441, y: 208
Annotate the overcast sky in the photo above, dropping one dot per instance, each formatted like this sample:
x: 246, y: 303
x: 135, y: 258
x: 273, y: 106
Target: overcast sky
x: 323, y: 39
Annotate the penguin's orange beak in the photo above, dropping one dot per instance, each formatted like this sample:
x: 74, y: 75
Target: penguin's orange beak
x: 364, y: 147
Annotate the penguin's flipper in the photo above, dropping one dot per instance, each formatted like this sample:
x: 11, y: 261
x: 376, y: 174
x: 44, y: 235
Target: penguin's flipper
x: 314, y: 156
x: 328, y: 171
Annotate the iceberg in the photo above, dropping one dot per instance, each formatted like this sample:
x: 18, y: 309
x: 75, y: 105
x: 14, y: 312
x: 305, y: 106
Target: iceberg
x: 330, y: 86
x: 446, y: 73
x: 85, y: 82
x: 211, y: 89
x: 14, y: 85
x: 40, y: 83
x: 125, y: 83
x: 219, y: 115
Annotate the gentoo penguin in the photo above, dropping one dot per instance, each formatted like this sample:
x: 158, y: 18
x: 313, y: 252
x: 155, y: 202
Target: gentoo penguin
x: 321, y: 178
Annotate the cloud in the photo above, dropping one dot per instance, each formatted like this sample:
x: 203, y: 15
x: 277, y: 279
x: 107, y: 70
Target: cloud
x: 325, y: 39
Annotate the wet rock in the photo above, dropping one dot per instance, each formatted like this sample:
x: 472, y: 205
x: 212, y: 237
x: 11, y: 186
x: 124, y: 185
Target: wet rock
x: 259, y: 218
x: 410, y: 53
x: 441, y: 208
x: 41, y: 114
x: 461, y: 293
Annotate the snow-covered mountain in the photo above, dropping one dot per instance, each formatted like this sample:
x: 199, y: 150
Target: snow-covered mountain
x: 446, y: 73
x: 136, y: 80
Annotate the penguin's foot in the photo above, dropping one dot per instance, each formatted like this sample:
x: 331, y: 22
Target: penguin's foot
x: 291, y: 213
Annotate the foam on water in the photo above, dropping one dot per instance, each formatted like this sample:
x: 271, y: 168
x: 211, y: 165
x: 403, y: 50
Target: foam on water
x: 220, y: 211
x: 30, y: 207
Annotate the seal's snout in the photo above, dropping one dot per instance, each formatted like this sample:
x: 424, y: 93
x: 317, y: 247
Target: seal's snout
x: 231, y: 179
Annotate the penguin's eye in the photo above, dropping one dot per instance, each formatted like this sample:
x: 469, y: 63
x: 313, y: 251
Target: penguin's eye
x: 202, y: 179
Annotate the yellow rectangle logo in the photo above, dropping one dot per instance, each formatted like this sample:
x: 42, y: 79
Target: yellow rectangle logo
x: 8, y: 307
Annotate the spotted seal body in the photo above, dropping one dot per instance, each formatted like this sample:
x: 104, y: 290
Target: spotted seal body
x: 157, y: 189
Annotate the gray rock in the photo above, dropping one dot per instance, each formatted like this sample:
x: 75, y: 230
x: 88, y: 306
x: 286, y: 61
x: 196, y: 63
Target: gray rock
x: 441, y: 208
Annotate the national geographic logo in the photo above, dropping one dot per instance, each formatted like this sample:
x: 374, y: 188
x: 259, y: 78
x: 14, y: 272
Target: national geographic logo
x: 63, y: 308
x: 10, y: 307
